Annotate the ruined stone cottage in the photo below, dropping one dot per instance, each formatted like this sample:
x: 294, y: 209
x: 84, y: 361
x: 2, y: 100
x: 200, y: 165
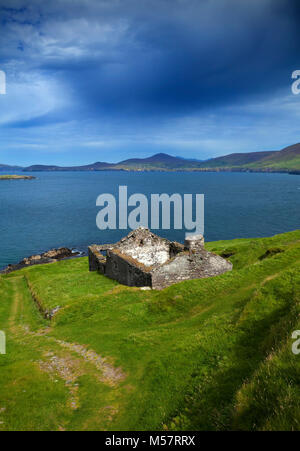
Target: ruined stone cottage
x: 143, y: 259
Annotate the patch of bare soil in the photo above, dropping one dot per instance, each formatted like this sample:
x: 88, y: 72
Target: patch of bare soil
x: 110, y: 374
x: 68, y: 369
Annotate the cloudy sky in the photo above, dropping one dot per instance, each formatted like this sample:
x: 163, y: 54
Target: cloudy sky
x: 104, y: 80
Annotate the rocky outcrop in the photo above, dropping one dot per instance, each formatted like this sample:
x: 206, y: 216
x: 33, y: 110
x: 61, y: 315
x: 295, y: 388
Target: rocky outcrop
x: 51, y: 256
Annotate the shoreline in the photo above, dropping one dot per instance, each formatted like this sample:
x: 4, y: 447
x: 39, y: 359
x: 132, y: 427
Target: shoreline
x: 247, y: 170
x: 50, y: 256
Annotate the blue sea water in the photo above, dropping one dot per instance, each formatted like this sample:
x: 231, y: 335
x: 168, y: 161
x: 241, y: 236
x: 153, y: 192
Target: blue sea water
x: 59, y: 209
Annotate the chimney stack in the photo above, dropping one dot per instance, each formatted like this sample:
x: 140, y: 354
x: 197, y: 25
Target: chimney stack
x: 194, y: 244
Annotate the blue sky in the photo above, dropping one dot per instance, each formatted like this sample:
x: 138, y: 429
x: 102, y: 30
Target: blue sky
x: 104, y: 80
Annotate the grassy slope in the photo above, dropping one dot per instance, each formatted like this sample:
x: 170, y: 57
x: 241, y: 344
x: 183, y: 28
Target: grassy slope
x: 236, y: 160
x: 288, y: 163
x: 288, y: 158
x: 204, y: 354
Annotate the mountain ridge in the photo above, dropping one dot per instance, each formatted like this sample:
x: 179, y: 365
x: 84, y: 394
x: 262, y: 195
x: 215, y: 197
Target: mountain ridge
x: 6, y: 167
x: 285, y: 160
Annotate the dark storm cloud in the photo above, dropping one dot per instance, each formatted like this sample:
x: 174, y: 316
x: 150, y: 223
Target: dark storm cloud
x: 117, y: 71
x: 200, y: 54
x: 160, y: 57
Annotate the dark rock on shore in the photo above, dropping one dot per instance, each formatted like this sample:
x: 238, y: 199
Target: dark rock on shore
x: 51, y: 256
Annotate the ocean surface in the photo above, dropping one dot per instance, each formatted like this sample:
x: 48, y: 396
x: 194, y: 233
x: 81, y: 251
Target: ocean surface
x: 59, y: 209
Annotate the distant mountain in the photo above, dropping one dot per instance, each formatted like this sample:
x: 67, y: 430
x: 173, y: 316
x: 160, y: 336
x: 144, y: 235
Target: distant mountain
x: 40, y: 167
x: 286, y: 160
x: 195, y: 160
x: 5, y: 167
x: 158, y: 161
x: 90, y: 167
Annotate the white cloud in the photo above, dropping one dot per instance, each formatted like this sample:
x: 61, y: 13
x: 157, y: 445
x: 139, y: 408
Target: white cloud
x: 30, y: 96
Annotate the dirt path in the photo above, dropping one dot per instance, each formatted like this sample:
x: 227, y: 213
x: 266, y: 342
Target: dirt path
x: 60, y: 359
x: 15, y: 306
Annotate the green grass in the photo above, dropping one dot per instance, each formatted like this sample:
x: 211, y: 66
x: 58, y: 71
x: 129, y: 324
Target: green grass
x: 281, y: 164
x: 211, y: 354
x: 286, y: 164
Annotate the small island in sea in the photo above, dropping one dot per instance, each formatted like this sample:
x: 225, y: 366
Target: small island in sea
x: 17, y: 177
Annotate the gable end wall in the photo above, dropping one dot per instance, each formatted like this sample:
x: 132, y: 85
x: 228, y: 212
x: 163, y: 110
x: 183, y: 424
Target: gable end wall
x: 125, y: 272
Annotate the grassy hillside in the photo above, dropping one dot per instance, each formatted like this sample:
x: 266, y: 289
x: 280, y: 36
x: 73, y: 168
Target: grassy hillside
x: 288, y: 158
x: 205, y: 354
x: 237, y: 159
